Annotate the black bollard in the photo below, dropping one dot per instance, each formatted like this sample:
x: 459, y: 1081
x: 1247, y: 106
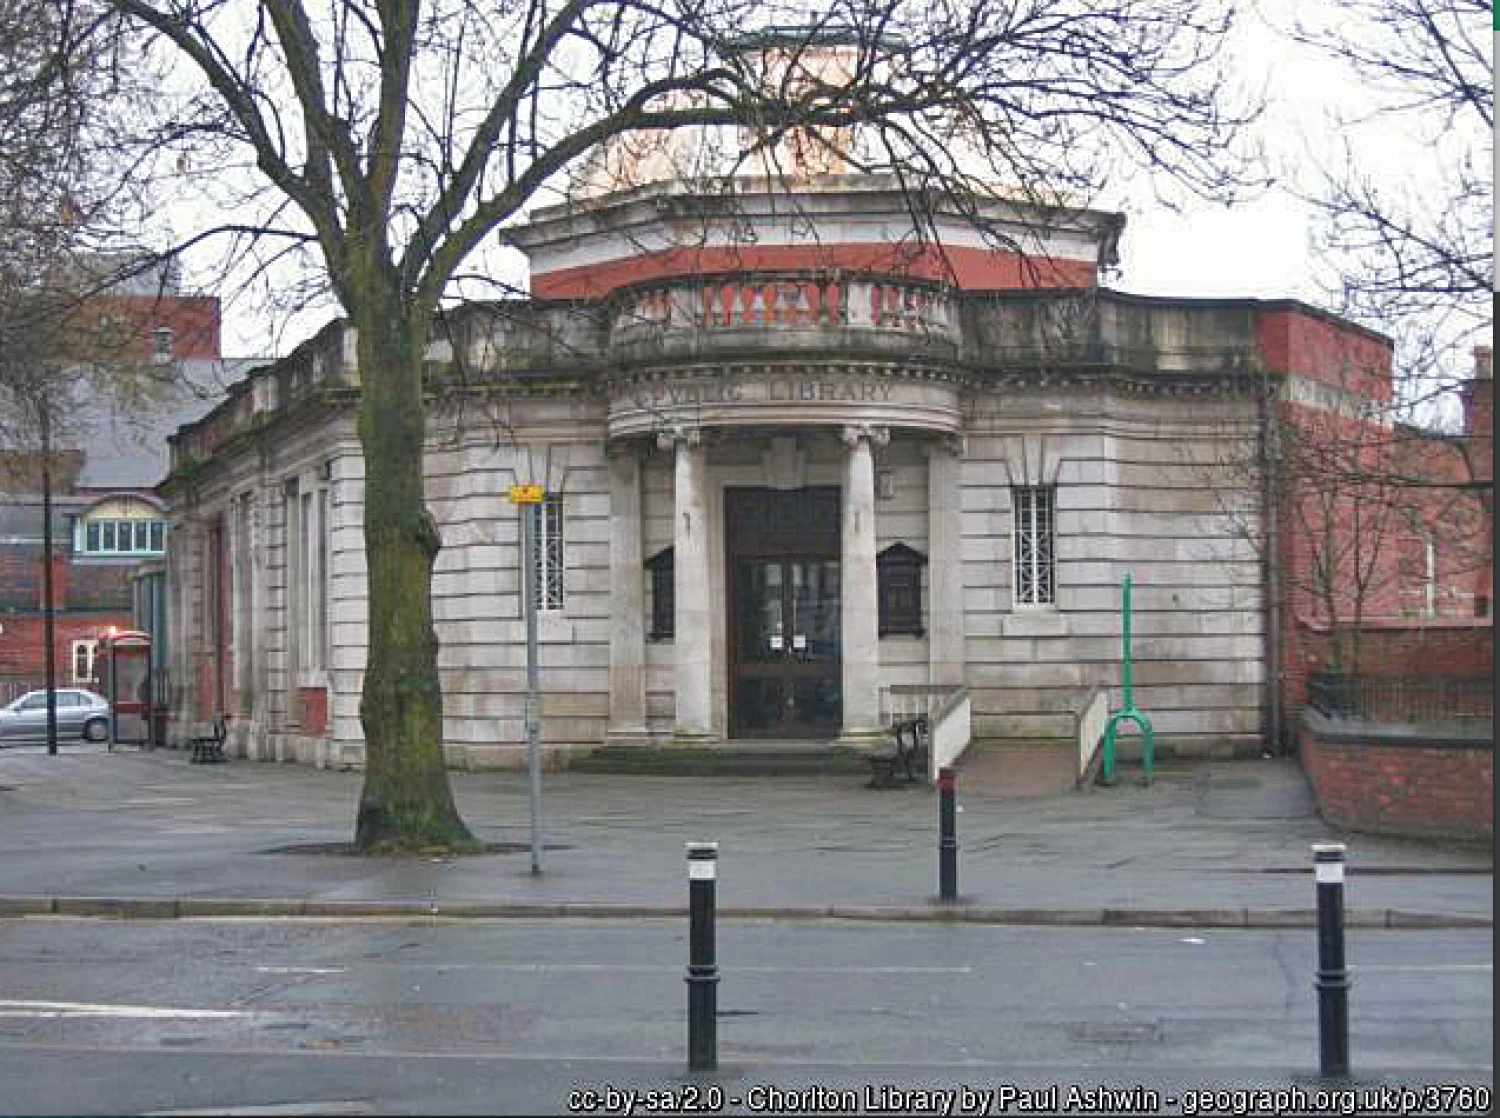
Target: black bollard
x: 947, y: 838
x: 703, y: 968
x: 1333, y: 975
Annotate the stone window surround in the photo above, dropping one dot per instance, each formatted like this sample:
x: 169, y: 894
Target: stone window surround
x: 307, y: 498
x: 1034, y: 547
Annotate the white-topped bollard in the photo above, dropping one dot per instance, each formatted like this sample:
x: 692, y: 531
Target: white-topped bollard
x: 703, y: 967
x: 1333, y: 975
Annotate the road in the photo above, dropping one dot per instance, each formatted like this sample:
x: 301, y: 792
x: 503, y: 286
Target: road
x: 510, y: 1016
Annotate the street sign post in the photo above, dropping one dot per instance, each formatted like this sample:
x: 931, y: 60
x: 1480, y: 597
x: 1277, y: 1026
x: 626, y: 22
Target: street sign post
x: 524, y: 496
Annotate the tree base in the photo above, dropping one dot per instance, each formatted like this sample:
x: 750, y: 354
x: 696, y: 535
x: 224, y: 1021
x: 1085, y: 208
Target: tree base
x: 380, y: 831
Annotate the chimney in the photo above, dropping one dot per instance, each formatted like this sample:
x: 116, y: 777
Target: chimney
x: 1479, y: 395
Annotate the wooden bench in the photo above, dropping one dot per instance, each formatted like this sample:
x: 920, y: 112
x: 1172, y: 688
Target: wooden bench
x: 909, y: 750
x: 208, y: 748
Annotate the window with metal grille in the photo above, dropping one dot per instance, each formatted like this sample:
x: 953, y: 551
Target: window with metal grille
x: 1033, y: 545
x: 547, y: 552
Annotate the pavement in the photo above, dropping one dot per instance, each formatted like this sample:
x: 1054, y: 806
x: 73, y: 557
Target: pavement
x: 1209, y: 844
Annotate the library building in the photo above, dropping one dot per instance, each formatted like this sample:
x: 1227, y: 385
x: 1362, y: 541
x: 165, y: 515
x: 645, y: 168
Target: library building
x: 805, y: 465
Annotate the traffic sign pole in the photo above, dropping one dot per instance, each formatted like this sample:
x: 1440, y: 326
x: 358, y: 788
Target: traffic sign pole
x: 524, y: 497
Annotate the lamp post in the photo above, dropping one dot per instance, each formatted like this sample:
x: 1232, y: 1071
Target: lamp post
x: 49, y: 624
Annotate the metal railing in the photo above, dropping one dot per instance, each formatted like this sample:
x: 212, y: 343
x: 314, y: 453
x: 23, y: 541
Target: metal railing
x: 1402, y: 699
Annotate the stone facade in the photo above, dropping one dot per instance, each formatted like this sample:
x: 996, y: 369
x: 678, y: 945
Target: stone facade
x: 642, y: 393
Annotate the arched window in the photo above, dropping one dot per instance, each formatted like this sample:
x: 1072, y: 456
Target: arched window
x: 121, y: 527
x: 899, y: 574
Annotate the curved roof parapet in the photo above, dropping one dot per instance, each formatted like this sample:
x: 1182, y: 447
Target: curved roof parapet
x: 850, y: 223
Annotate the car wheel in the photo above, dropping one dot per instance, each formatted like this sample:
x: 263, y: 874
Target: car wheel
x: 95, y: 729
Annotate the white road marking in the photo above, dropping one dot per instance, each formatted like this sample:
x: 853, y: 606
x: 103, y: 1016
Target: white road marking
x: 9, y: 1008
x: 631, y: 968
x: 343, y: 1106
x: 1068, y: 1069
x: 1423, y: 966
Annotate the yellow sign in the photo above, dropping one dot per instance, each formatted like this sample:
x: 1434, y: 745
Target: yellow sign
x: 527, y: 494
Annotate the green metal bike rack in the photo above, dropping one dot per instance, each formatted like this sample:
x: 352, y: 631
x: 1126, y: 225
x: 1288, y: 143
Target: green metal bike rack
x: 1128, y: 712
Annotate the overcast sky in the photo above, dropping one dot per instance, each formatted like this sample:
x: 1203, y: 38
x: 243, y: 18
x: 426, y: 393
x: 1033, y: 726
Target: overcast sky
x: 1314, y: 105
x: 1257, y: 247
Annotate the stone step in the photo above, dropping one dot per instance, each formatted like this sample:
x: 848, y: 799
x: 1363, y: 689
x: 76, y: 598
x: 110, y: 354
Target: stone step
x: 726, y: 759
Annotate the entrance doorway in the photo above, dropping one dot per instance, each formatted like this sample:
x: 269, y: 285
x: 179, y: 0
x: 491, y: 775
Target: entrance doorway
x: 784, y: 624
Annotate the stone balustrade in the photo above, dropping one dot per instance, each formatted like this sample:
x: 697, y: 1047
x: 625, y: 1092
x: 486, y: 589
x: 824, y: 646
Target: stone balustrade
x: 804, y: 310
x: 325, y: 361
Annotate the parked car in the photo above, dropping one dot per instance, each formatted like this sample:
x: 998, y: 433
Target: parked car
x: 79, y: 714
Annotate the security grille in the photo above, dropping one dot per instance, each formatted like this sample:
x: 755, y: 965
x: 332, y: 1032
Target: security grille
x: 1034, y: 545
x: 547, y: 554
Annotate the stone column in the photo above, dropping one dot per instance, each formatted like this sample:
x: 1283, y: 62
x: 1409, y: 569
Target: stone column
x: 627, y: 631
x: 859, y: 602
x: 182, y: 681
x: 945, y: 610
x: 692, y: 626
x: 260, y: 620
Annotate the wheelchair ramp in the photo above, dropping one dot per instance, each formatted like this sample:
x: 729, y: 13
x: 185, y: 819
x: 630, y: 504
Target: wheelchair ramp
x: 1023, y: 769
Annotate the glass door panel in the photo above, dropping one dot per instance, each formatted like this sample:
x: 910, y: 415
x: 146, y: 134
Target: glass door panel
x: 786, y: 670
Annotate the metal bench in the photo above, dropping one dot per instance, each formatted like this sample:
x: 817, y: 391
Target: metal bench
x: 209, y: 748
x: 909, y: 750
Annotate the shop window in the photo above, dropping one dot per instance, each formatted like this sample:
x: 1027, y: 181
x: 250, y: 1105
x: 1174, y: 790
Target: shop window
x: 660, y: 568
x: 899, y: 576
x: 1034, y: 545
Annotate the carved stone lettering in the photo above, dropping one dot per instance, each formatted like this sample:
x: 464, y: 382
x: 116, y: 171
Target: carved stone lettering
x: 770, y: 390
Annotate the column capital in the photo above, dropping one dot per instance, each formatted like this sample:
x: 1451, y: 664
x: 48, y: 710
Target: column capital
x: 622, y: 449
x: 852, y: 433
x: 953, y: 446
x: 688, y: 436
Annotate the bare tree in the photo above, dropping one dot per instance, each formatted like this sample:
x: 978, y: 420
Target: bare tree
x: 388, y: 145
x: 1415, y: 255
x: 43, y: 102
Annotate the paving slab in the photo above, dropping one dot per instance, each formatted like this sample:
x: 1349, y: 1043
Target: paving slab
x: 1225, y: 843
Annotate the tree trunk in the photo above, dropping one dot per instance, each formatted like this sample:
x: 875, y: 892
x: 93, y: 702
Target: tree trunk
x: 406, y: 803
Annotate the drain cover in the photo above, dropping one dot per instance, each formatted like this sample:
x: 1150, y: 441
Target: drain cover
x: 1115, y: 1032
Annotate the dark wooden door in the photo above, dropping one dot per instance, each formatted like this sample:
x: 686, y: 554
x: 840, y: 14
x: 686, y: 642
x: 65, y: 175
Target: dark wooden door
x: 784, y: 623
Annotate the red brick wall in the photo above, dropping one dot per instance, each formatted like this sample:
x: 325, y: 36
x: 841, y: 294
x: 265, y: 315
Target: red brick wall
x: 972, y: 269
x: 1439, y: 791
x: 1297, y: 339
x: 23, y: 650
x: 1451, y: 650
x: 194, y: 319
